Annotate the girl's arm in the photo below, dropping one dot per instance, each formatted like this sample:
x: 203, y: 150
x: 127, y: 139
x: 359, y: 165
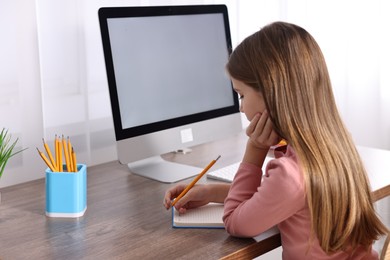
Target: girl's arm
x: 199, y: 195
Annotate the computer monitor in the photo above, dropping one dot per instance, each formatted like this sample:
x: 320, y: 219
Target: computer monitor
x: 167, y: 83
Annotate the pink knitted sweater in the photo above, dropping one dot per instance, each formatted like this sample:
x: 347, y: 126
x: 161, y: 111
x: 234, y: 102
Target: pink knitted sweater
x: 254, y: 205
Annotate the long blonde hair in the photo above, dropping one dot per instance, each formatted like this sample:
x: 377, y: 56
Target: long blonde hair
x: 284, y: 63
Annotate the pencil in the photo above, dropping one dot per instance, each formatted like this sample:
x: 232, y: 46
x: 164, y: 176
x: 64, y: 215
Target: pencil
x: 49, y: 153
x: 57, y: 154
x: 74, y: 160
x: 184, y: 192
x: 72, y: 168
x: 66, y: 153
x: 60, y: 166
x: 46, y: 160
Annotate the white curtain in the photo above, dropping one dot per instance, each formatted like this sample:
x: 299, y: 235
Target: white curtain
x: 53, y: 81
x: 20, y: 88
x: 354, y: 38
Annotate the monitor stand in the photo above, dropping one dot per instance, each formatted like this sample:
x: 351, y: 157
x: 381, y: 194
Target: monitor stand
x: 156, y: 168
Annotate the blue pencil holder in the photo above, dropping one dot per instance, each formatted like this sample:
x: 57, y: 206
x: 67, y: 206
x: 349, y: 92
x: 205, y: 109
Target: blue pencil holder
x: 66, y: 193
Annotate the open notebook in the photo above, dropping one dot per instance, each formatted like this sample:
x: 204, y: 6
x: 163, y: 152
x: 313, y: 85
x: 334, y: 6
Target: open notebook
x: 208, y: 216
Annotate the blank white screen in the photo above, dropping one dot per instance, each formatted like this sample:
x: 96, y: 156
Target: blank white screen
x: 169, y: 66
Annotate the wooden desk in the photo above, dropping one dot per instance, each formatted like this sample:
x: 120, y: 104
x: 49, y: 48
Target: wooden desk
x: 125, y: 218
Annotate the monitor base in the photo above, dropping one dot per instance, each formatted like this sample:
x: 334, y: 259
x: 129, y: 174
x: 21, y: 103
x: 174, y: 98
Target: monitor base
x: 158, y: 169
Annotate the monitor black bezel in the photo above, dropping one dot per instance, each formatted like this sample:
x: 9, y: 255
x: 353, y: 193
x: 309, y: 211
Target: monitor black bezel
x: 142, y: 11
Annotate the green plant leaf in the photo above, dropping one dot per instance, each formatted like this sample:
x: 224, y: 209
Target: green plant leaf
x: 6, y: 149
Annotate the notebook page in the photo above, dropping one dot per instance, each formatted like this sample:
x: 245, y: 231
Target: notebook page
x: 207, y: 216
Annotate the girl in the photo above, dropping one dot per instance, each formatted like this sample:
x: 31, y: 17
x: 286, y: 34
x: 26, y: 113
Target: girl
x: 316, y: 191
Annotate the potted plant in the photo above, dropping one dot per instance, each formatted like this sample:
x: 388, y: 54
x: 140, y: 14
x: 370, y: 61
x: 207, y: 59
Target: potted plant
x: 6, y: 150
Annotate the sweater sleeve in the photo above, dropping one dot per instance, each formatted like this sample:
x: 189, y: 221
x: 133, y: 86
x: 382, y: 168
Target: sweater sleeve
x: 253, y: 206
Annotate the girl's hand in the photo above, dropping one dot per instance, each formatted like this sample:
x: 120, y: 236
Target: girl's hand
x: 197, y: 196
x: 261, y: 133
x: 261, y: 138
